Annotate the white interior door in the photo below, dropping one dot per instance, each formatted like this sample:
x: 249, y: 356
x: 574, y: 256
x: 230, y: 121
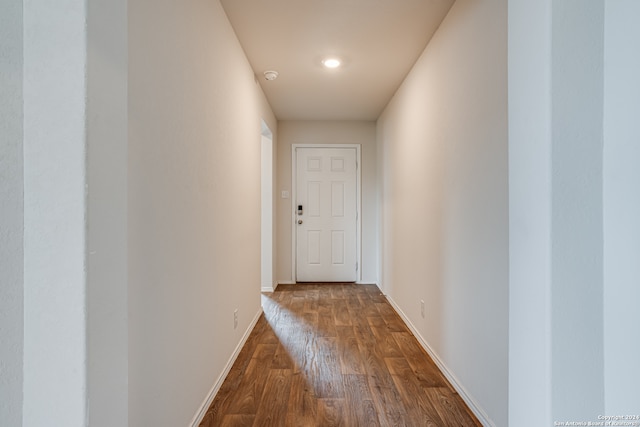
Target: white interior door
x: 326, y: 215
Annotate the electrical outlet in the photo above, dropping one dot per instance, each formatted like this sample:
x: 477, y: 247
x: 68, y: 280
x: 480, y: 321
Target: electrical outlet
x: 422, y: 307
x: 235, y: 318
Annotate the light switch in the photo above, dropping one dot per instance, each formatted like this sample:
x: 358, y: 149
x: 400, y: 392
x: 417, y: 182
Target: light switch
x: 285, y: 194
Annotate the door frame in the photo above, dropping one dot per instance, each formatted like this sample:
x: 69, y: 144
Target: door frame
x: 294, y: 197
x: 266, y: 209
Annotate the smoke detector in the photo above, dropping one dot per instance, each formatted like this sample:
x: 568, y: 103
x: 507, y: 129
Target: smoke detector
x: 270, y: 75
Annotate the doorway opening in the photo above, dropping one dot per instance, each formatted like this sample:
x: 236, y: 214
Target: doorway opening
x: 266, y: 223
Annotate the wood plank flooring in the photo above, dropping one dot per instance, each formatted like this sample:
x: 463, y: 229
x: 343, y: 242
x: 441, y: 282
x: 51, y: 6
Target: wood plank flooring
x: 334, y: 355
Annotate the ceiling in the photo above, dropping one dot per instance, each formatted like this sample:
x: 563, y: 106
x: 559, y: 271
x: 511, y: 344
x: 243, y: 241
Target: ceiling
x: 377, y: 40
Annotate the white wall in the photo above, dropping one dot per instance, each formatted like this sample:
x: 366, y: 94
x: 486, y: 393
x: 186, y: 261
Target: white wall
x: 327, y: 132
x: 106, y: 210
x: 621, y: 207
x: 573, y: 210
x: 54, y: 213
x: 11, y: 211
x: 576, y: 209
x: 529, y: 213
x: 443, y: 139
x: 194, y: 204
x: 75, y: 336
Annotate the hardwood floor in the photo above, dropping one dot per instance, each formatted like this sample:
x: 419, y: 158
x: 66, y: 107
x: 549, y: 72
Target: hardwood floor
x: 334, y: 355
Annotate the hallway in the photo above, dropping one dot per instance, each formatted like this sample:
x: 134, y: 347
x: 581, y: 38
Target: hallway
x: 499, y: 206
x: 334, y: 354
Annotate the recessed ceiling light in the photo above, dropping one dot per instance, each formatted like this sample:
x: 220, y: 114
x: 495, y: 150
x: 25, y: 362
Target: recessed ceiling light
x: 331, y: 62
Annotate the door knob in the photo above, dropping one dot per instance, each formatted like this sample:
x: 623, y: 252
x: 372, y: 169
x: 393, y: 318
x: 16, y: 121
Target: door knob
x: 299, y: 221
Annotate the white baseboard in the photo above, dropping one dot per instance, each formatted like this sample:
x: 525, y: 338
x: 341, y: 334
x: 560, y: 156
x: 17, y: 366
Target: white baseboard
x: 473, y: 405
x: 202, y: 411
x: 271, y: 288
x: 289, y: 282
